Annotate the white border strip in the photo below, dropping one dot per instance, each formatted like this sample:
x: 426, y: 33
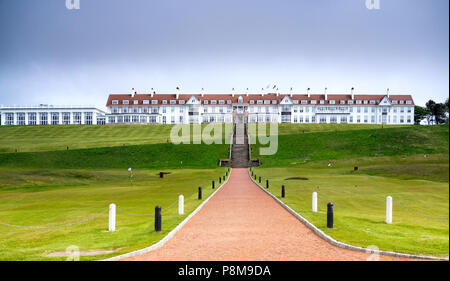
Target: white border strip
x: 172, y: 233
x: 334, y: 242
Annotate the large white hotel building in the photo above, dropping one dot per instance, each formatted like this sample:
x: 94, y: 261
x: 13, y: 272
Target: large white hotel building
x: 234, y: 107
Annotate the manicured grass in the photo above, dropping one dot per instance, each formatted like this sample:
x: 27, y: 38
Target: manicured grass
x: 59, y: 137
x: 408, y: 163
x: 54, y: 197
x: 300, y: 148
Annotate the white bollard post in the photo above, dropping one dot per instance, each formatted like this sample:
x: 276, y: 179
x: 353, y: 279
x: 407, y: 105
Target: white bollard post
x: 389, y: 210
x: 181, y: 205
x: 314, y: 202
x: 112, y: 217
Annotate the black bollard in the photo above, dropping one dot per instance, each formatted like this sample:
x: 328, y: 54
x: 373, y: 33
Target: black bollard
x: 220, y: 179
x: 252, y: 173
x: 254, y: 177
x: 158, y: 218
x: 282, y: 191
x: 199, y: 193
x: 223, y: 178
x: 330, y: 215
x: 259, y: 179
x: 213, y: 184
x: 267, y: 183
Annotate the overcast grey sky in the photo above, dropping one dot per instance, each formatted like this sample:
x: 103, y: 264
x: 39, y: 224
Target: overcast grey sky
x: 49, y: 54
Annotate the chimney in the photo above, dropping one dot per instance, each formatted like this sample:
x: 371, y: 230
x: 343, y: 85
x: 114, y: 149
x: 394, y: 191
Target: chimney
x: 246, y: 92
x: 278, y: 92
x: 133, y: 92
x: 178, y: 92
x: 262, y: 91
x: 203, y: 92
x: 352, y: 90
x: 290, y: 92
x: 326, y: 95
x: 152, y: 93
x: 309, y: 92
x: 232, y: 92
x: 387, y: 92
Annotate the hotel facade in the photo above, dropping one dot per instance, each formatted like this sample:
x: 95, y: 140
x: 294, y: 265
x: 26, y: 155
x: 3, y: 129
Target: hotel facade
x: 180, y: 108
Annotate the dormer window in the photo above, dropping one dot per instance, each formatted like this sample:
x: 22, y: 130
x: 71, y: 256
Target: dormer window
x: 240, y: 99
x: 135, y: 102
x: 173, y: 102
x: 145, y: 102
x: 358, y: 101
x: 221, y: 102
x: 181, y: 102
x: 365, y: 101
x: 228, y: 101
x: 205, y: 102
x: 125, y: 102
x: 350, y: 102
x: 164, y: 101
x: 304, y: 102
x: 154, y: 101
x: 313, y: 102
x: 115, y: 102
x: 266, y: 101
x: 259, y: 102
x: 401, y: 102
x: 342, y: 102
x: 213, y: 102
x: 394, y: 101
x: 252, y: 102
x: 275, y: 101
x: 332, y: 101
x: 408, y: 102
x: 322, y: 101
x: 372, y: 102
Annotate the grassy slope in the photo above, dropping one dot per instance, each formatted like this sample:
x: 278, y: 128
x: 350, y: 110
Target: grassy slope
x: 49, y: 185
x: 54, y: 197
x: 400, y: 170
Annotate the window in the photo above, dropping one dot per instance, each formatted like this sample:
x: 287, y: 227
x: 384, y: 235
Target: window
x: 66, y: 118
x: 275, y: 101
x: 408, y: 102
x: 266, y: 101
x: 181, y: 102
x: 323, y: 119
x: 350, y: 102
x: 372, y: 119
x: 205, y: 102
x: 43, y: 118
x: 119, y: 119
x: 164, y: 109
x: 313, y: 102
x: 365, y: 101
x: 259, y: 102
x: 88, y: 118
x: 366, y: 109
x: 401, y: 102
x: 409, y: 109
x: 154, y: 101
x: 322, y: 101
x: 402, y: 119
x: 135, y: 102
x: 252, y: 102
x: 394, y: 101
x: 304, y: 102
x: 228, y: 101
x: 366, y: 119
x: 221, y: 102
x: 55, y: 118
x: 372, y: 102
x: 21, y: 118
x: 32, y: 118
x: 342, y: 102
x: 115, y: 102
x: 77, y: 118
x: 173, y: 102
x: 358, y: 109
x: 332, y: 101
x: 111, y: 119
x: 125, y: 102
x: 145, y: 102
x: 333, y: 119
x: 9, y: 119
x: 213, y: 102
x: 164, y: 101
x: 343, y: 119
x: 358, y: 101
x: 358, y: 119
x: 126, y: 119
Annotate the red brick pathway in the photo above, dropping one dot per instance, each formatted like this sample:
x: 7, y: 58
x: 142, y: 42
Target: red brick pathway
x: 243, y: 223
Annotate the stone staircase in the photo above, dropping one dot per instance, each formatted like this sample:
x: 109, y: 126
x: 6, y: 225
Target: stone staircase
x: 240, y: 157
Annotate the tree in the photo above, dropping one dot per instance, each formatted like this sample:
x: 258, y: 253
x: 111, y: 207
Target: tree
x: 420, y: 113
x: 437, y: 112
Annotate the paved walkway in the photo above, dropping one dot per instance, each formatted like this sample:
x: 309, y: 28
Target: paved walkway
x: 241, y: 222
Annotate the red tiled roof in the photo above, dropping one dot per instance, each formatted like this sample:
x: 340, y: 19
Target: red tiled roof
x: 247, y: 98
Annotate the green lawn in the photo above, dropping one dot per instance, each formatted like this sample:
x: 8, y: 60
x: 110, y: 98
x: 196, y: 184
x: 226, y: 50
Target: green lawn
x: 44, y: 184
x: 49, y: 197
x: 411, y: 164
